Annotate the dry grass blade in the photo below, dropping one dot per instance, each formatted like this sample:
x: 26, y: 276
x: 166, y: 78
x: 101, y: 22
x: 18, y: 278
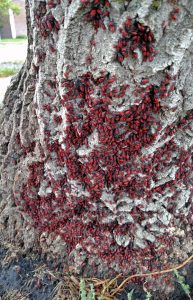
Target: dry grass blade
x: 110, y: 283
x: 12, y: 254
x: 66, y: 290
x: 74, y: 285
x: 152, y: 274
x: 105, y: 297
x: 13, y: 295
x: 51, y: 274
x: 76, y: 281
x: 97, y: 282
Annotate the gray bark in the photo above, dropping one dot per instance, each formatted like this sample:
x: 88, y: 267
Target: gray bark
x: 146, y: 220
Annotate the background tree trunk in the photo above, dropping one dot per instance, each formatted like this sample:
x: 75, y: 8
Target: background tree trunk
x: 97, y: 134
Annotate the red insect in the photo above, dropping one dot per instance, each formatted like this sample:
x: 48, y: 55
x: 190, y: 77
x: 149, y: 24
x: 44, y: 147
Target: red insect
x: 135, y: 55
x: 173, y: 17
x: 84, y: 2
x: 112, y: 26
x: 120, y: 57
x: 144, y: 81
x: 93, y: 13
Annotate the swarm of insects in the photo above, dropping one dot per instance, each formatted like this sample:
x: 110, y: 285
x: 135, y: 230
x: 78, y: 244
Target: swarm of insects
x: 99, y: 10
x: 135, y: 36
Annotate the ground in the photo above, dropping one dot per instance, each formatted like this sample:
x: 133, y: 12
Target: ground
x: 12, y: 54
x: 32, y: 277
x: 19, y: 277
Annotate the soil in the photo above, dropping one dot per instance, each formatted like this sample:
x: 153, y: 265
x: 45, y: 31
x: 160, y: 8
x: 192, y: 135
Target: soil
x: 21, y: 274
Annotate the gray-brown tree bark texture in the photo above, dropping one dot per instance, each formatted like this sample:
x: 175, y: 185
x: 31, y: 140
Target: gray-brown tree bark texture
x: 97, y: 136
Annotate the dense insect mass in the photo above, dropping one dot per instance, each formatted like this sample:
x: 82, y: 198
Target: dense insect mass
x: 111, y: 177
x: 116, y: 165
x: 99, y: 14
x: 135, y: 36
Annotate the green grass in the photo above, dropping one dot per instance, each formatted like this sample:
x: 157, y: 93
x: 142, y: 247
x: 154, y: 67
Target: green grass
x: 182, y: 282
x: 17, y: 40
x: 5, y: 72
x: 130, y: 295
x: 83, y: 294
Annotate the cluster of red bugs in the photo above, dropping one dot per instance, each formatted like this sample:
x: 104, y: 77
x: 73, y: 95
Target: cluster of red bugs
x: 98, y: 12
x: 174, y: 14
x: 25, y: 149
x: 40, y: 12
x: 40, y: 56
x: 135, y: 35
x: 53, y: 3
x: 57, y: 119
x: 46, y: 21
x: 115, y: 164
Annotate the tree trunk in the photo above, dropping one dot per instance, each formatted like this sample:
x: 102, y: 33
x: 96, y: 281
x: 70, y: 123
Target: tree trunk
x: 97, y: 134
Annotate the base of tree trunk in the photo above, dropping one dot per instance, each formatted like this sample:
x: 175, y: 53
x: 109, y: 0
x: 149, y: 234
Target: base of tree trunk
x: 96, y: 138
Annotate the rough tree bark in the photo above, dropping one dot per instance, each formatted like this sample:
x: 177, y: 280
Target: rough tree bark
x: 97, y: 134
